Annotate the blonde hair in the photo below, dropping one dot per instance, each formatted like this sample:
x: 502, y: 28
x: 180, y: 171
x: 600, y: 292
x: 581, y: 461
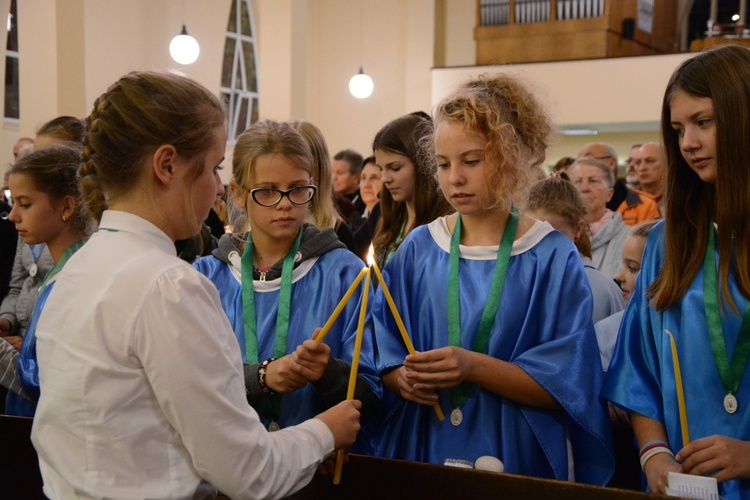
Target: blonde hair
x: 516, y: 127
x: 262, y: 138
x: 322, y: 208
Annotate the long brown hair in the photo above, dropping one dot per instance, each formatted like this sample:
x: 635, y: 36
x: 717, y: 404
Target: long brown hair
x: 722, y: 75
x: 402, y: 136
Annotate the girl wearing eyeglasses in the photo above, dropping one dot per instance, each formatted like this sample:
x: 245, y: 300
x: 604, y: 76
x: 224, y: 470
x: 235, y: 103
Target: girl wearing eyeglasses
x: 279, y: 278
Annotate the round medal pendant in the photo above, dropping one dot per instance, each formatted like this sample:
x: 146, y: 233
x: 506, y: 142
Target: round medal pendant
x: 457, y: 417
x: 273, y: 426
x: 730, y: 403
x: 33, y: 270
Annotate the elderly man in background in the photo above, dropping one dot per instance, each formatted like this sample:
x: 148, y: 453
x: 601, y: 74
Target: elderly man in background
x: 347, y: 169
x: 651, y: 168
x: 594, y: 181
x: 632, y: 204
x: 631, y: 177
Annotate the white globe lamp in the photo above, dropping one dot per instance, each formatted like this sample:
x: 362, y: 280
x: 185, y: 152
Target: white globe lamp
x: 361, y: 85
x: 184, y: 48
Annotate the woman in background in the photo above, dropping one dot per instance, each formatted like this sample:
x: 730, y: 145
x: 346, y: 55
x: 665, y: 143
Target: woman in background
x: 410, y: 197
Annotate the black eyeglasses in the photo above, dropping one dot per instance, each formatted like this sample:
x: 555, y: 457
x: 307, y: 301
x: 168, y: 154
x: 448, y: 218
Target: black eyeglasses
x: 269, y: 197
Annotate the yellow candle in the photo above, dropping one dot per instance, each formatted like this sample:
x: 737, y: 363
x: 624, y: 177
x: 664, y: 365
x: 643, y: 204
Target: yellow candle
x: 355, y: 366
x: 340, y: 307
x: 680, y: 391
x: 401, y: 328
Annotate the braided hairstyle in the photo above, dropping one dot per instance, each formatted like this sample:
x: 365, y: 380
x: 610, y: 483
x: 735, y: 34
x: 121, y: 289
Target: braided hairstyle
x: 132, y: 119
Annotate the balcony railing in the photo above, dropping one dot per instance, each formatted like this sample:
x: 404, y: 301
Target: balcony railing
x: 511, y: 31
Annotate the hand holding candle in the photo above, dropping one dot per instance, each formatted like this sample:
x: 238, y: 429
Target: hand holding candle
x: 401, y: 328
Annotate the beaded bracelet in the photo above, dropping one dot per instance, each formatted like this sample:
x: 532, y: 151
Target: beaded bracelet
x: 262, y: 370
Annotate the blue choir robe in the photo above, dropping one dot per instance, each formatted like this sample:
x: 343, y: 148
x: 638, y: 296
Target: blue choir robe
x: 543, y: 325
x: 27, y: 369
x: 317, y: 286
x: 641, y: 374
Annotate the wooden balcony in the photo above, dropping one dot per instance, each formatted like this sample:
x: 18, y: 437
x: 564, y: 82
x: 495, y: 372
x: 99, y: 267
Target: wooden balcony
x: 518, y: 31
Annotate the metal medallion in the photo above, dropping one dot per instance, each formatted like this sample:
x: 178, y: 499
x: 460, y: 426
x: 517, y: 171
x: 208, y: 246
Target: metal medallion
x: 273, y: 426
x: 730, y: 403
x: 457, y: 417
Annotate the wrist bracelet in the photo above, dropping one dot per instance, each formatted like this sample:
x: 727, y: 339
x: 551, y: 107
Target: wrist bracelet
x: 653, y: 451
x: 651, y: 444
x: 262, y: 370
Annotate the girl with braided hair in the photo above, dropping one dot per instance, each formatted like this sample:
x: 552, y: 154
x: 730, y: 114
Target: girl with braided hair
x: 509, y: 352
x: 142, y: 391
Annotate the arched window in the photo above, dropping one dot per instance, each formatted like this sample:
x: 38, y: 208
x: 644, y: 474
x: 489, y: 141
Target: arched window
x: 11, y: 66
x: 239, y: 79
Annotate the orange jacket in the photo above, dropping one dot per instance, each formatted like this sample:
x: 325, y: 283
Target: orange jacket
x: 638, y: 207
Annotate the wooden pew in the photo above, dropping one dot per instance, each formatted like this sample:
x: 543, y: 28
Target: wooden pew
x: 376, y: 478
x: 363, y: 478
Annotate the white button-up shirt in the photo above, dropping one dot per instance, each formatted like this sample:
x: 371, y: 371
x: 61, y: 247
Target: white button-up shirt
x: 142, y: 392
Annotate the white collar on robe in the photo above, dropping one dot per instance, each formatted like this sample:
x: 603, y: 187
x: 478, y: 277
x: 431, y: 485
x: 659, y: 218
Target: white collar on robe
x: 442, y: 236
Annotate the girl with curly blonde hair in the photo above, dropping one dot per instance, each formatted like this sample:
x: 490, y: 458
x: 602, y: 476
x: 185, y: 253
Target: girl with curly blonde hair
x: 498, y: 308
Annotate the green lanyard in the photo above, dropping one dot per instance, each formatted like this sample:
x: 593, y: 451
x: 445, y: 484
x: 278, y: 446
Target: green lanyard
x: 248, y: 301
x: 730, y: 373
x: 271, y: 409
x: 460, y: 394
x: 61, y: 263
x: 392, y: 248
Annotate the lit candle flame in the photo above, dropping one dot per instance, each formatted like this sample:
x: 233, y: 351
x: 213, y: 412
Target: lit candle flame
x: 371, y: 256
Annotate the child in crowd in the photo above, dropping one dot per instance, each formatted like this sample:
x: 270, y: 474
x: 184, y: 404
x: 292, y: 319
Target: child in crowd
x: 694, y: 287
x: 142, y: 392
x: 46, y: 210
x: 279, y: 279
x: 509, y: 351
x: 627, y: 473
x: 33, y: 262
x: 632, y: 254
x: 411, y: 196
x: 555, y: 200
